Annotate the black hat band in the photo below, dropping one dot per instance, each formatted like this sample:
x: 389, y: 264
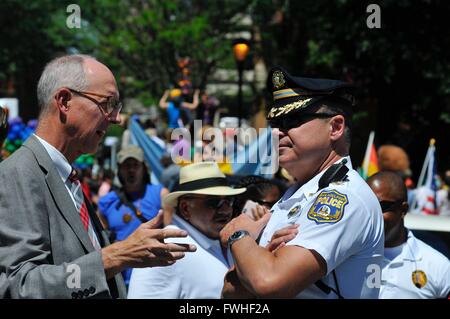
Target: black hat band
x: 201, y: 183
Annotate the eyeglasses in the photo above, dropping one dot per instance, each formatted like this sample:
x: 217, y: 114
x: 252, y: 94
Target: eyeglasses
x: 109, y: 107
x: 289, y: 122
x: 388, y: 206
x: 215, y: 203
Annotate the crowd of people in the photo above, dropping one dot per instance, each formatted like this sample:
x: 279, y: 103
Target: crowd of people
x: 320, y: 231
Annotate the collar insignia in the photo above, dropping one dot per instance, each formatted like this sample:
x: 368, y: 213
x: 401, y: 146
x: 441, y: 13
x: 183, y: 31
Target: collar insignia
x: 294, y: 211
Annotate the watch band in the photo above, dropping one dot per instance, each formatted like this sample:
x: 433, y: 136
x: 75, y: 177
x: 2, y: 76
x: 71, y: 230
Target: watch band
x: 236, y: 236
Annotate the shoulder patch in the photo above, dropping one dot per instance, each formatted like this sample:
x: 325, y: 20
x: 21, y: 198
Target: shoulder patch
x: 328, y: 207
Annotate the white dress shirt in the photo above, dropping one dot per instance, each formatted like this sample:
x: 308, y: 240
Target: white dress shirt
x: 198, y: 275
x: 61, y: 163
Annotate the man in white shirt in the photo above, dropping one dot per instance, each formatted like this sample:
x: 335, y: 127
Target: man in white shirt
x: 203, y: 204
x: 411, y: 268
x: 340, y: 232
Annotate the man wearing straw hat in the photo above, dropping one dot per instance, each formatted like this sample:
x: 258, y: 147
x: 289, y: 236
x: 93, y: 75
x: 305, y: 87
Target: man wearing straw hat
x: 203, y: 203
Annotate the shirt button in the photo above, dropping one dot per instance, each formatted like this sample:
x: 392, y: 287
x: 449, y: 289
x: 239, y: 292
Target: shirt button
x: 86, y: 292
x: 91, y: 289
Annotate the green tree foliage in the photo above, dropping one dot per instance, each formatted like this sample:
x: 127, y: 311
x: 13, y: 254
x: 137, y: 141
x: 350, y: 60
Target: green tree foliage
x: 401, y: 69
x: 143, y: 40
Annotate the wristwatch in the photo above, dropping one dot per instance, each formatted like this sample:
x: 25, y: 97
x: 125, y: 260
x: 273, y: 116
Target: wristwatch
x: 236, y: 236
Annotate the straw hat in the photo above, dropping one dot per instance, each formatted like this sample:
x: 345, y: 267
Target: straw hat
x: 203, y: 178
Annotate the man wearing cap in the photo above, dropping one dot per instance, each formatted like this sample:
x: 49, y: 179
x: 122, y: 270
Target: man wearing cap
x: 51, y: 242
x: 203, y: 205
x: 411, y: 268
x: 340, y: 234
x: 136, y: 202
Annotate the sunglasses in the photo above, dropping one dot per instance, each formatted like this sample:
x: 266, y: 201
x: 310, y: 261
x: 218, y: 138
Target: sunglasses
x: 289, y: 122
x: 109, y: 107
x: 388, y: 206
x: 215, y: 203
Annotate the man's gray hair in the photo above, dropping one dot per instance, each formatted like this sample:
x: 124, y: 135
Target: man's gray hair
x: 66, y: 71
x: 331, y: 108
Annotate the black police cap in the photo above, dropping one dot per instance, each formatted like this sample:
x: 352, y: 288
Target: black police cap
x: 295, y: 94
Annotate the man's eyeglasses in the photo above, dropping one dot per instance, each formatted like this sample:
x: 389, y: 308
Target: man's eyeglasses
x: 109, y: 107
x: 215, y: 203
x: 388, y: 206
x: 289, y: 122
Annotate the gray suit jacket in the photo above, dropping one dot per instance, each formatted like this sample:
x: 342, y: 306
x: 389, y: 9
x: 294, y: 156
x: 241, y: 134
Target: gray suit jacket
x: 44, y: 250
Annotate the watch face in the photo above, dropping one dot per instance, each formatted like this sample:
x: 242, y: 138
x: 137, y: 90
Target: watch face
x: 236, y: 234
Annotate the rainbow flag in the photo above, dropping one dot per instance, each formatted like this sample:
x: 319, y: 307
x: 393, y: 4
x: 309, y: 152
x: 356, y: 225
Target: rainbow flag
x: 370, y: 162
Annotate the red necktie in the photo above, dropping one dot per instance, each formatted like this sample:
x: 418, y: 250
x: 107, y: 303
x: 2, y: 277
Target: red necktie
x: 79, y: 199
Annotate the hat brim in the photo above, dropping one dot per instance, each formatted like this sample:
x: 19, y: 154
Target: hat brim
x: 172, y: 198
x: 136, y: 157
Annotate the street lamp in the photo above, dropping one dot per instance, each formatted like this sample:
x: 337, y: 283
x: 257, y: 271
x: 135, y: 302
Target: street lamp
x: 240, y: 51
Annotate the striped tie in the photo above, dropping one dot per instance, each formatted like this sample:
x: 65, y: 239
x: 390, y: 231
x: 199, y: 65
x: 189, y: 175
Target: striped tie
x: 75, y: 188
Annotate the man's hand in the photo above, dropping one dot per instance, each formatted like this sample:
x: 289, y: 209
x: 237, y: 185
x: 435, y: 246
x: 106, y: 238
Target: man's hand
x: 145, y: 247
x: 233, y: 288
x: 254, y: 210
x: 244, y: 222
x: 281, y: 237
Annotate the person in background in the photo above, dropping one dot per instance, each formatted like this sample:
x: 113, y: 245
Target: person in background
x: 207, y: 108
x: 411, y: 268
x: 107, y: 182
x: 137, y: 202
x: 175, y: 106
x: 3, y: 126
x: 203, y: 203
x: 260, y: 190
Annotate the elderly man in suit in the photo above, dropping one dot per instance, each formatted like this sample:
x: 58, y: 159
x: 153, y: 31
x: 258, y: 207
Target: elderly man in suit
x: 51, y: 242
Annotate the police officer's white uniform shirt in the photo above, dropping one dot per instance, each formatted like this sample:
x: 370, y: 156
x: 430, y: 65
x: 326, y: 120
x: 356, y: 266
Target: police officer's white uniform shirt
x: 431, y: 269
x: 344, y: 224
x: 198, y: 275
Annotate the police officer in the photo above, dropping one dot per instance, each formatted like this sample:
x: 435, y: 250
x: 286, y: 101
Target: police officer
x: 340, y: 234
x: 411, y: 268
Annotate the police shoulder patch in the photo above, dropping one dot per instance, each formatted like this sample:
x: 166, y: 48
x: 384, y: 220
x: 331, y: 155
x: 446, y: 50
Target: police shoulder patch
x: 328, y: 207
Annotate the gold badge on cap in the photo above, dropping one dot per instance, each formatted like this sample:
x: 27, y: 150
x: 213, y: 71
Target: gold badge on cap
x: 419, y: 278
x: 278, y: 79
x: 126, y: 218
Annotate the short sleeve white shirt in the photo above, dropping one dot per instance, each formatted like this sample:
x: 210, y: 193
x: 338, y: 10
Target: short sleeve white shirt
x: 420, y: 262
x: 199, y: 275
x: 344, y: 224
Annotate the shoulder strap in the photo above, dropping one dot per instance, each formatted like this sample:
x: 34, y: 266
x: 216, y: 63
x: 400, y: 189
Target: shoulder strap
x: 124, y: 200
x: 335, y: 173
x: 327, y: 289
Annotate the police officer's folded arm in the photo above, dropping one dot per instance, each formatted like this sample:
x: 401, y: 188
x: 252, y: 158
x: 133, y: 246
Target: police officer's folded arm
x: 282, y: 274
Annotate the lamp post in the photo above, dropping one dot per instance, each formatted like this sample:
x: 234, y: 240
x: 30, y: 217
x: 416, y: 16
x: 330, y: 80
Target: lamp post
x: 240, y: 51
